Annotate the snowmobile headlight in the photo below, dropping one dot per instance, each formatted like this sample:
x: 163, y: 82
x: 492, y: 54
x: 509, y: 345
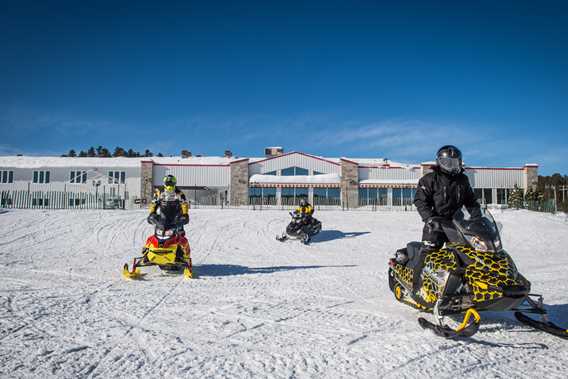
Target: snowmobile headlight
x: 477, y: 243
x: 161, y: 233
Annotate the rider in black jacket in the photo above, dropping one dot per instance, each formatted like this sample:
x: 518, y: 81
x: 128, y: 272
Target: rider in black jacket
x: 442, y: 192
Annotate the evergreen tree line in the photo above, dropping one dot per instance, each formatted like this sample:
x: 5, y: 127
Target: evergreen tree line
x: 103, y: 152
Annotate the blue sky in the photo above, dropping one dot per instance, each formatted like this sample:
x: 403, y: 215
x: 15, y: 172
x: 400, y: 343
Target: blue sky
x: 335, y: 78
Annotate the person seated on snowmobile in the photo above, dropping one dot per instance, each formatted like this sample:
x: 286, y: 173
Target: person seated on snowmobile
x: 306, y: 211
x: 170, y: 204
x: 439, y: 195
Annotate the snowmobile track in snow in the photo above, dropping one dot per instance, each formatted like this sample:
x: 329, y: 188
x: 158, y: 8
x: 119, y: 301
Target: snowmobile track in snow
x: 259, y: 308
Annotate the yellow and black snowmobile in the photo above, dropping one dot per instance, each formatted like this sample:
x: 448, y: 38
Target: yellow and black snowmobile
x: 469, y: 274
x: 167, y: 248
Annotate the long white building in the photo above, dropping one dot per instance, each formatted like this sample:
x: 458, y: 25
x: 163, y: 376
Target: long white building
x: 277, y: 179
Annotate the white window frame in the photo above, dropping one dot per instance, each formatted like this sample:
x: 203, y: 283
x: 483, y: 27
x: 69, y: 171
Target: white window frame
x: 41, y: 177
x: 6, y: 176
x: 117, y: 177
x: 78, y: 176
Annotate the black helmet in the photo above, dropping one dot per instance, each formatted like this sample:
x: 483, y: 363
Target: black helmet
x: 449, y: 160
x: 303, y: 202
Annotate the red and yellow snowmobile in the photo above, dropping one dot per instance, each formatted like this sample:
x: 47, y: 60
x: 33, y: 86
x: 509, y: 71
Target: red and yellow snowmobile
x: 167, y: 248
x: 470, y: 274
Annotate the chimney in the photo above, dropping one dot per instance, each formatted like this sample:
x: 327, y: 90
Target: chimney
x: 273, y: 151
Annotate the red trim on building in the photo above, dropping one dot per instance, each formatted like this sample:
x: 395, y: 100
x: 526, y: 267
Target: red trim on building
x: 297, y: 185
x: 239, y: 160
x: 388, y: 166
x: 350, y: 161
x: 191, y: 165
x: 495, y: 168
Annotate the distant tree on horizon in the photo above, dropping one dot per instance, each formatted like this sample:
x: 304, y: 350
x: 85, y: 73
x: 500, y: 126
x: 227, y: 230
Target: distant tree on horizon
x: 119, y: 152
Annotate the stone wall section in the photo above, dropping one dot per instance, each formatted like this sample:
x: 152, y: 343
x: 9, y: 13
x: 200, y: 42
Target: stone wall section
x: 349, y: 184
x: 531, y: 176
x: 239, y: 182
x: 146, y: 182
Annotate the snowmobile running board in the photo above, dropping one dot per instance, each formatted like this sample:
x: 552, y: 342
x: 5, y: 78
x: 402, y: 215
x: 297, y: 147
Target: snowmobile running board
x: 465, y: 329
x: 545, y: 326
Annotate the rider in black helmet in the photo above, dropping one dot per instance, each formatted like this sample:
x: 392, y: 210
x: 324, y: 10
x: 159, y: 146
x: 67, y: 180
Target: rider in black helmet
x: 442, y: 192
x: 439, y: 195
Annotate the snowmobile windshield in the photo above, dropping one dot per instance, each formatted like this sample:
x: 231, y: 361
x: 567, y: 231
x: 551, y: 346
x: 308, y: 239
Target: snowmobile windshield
x: 480, y: 232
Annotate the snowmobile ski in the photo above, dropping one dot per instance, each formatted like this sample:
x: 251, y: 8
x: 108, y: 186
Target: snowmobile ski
x: 545, y: 326
x: 131, y: 274
x: 466, y: 329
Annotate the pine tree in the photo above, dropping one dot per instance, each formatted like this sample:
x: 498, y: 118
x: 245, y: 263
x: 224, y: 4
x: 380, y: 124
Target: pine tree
x: 72, y: 153
x: 516, y: 198
x: 119, y: 152
x: 185, y: 153
x: 91, y: 152
x: 160, y: 155
x: 82, y: 154
x: 148, y: 153
x: 100, y: 151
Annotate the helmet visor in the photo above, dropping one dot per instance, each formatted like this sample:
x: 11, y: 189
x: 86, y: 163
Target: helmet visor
x: 453, y: 165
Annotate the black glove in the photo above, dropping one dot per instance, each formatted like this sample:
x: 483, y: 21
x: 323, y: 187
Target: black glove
x: 434, y: 225
x: 152, y: 219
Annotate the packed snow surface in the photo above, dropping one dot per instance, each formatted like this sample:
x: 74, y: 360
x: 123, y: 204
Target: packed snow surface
x: 259, y: 307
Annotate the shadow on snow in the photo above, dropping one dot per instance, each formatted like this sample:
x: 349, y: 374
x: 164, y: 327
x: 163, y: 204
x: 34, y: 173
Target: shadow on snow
x: 330, y: 235
x: 228, y: 270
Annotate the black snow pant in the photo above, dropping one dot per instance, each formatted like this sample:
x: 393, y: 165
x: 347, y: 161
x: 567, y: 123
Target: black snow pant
x: 431, y: 240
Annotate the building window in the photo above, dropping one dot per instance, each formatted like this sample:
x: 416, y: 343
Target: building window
x: 397, y: 196
x: 292, y: 196
x: 408, y: 196
x: 319, y: 173
x: 40, y: 202
x: 41, y: 177
x: 501, y: 196
x: 327, y: 196
x: 6, y: 176
x: 373, y: 196
x: 116, y: 177
x: 478, y: 194
x: 292, y: 171
x: 262, y: 195
x: 78, y: 177
x: 270, y: 173
x: 488, y: 196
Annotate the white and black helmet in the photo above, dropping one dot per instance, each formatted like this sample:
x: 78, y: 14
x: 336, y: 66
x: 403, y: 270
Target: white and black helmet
x: 449, y: 160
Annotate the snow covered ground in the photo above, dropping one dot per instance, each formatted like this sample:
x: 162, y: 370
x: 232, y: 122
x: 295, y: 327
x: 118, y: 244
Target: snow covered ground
x: 260, y: 308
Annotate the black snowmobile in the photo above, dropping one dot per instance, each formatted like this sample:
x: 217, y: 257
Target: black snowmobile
x: 469, y: 274
x: 301, y: 228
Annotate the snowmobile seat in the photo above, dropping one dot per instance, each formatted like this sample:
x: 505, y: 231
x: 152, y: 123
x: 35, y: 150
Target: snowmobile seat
x: 413, y: 252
